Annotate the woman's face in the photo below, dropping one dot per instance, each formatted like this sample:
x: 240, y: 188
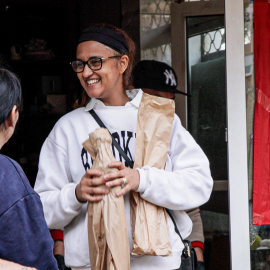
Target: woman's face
x: 106, y: 83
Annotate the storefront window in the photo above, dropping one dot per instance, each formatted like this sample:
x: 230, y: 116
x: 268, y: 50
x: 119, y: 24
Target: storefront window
x: 155, y: 28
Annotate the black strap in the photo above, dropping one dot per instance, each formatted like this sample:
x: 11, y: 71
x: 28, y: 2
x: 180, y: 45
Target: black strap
x: 187, y: 245
x: 175, y: 226
x: 115, y: 143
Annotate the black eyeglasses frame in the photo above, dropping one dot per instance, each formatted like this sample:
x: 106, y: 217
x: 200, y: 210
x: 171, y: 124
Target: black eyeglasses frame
x: 87, y: 62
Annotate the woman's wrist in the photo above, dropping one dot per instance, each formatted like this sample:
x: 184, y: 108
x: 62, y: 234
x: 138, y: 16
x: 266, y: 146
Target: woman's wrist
x: 78, y: 194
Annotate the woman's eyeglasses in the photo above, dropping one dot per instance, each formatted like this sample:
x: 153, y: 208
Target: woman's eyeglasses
x: 93, y: 63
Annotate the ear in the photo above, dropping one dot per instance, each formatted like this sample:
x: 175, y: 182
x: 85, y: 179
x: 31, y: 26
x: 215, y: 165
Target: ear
x: 123, y: 63
x: 13, y: 117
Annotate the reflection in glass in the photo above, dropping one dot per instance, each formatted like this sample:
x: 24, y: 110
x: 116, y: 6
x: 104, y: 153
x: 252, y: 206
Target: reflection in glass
x: 206, y: 121
x: 206, y: 84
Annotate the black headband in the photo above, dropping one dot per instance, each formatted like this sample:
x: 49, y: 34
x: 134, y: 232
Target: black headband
x: 107, y: 37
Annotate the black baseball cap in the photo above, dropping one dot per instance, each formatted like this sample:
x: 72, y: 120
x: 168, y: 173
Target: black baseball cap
x: 155, y: 75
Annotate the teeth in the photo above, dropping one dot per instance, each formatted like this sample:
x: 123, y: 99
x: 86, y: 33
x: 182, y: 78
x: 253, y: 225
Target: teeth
x: 93, y: 81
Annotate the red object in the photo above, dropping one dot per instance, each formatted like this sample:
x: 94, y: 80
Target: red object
x: 57, y: 235
x: 261, y: 172
x: 197, y: 244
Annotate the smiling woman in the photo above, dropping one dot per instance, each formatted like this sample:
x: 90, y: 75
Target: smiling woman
x: 104, y: 61
x: 106, y: 74
x: 115, y: 43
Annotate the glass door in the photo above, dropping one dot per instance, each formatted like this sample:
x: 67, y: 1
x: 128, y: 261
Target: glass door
x: 208, y: 55
x: 203, y: 75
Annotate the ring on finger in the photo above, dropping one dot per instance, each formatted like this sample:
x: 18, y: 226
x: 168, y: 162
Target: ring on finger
x: 124, y: 179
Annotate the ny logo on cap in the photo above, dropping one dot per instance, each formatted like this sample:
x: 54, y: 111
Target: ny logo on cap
x: 170, y: 76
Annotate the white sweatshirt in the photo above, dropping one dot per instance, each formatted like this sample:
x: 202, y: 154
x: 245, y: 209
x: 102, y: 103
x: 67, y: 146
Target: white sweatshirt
x: 184, y: 184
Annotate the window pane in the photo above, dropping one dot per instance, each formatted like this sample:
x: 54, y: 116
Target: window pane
x: 155, y: 26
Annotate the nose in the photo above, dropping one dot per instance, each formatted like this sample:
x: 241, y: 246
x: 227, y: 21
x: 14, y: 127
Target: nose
x: 87, y: 71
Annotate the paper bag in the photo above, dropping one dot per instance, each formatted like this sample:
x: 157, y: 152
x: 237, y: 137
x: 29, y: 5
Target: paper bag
x: 149, y: 222
x: 107, y: 229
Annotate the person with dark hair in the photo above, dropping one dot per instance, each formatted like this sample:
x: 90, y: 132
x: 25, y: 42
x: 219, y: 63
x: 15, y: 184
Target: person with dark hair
x: 67, y: 183
x: 25, y: 240
x: 159, y: 79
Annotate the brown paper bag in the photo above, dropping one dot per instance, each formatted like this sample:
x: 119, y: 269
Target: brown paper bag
x: 107, y: 229
x: 153, y: 132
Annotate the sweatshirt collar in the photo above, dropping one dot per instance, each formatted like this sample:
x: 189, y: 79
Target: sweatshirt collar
x: 135, y: 95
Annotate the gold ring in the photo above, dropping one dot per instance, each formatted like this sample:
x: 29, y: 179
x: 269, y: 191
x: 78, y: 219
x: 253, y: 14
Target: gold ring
x: 124, y: 180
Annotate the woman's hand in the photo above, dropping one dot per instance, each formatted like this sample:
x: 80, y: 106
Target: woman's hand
x: 130, y: 178
x: 92, y: 187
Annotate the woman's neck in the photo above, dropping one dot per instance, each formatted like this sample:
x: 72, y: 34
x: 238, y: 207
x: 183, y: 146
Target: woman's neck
x: 5, y: 134
x: 116, y: 100
x: 2, y: 141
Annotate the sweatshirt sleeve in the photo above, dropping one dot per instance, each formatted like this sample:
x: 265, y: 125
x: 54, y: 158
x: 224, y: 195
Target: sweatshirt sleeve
x: 29, y: 241
x: 186, y: 182
x: 55, y: 186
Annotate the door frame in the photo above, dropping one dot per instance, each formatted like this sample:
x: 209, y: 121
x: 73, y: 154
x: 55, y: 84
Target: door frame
x: 236, y: 110
x: 237, y: 130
